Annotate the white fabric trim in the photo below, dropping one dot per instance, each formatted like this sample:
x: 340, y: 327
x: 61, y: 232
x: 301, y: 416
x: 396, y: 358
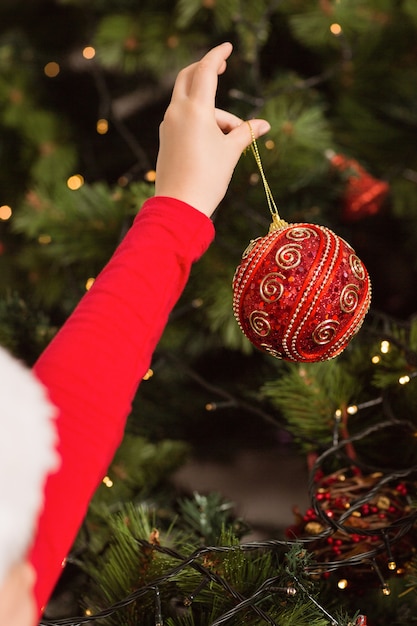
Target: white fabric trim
x: 27, y: 454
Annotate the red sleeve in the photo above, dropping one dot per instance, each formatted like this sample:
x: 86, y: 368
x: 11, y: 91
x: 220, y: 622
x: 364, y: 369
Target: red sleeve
x: 93, y: 366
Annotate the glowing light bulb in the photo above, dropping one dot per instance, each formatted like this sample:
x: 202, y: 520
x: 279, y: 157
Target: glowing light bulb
x: 148, y: 374
x: 75, y: 182
x: 102, y: 126
x: 385, y: 346
x: 5, y: 212
x: 89, y: 52
x: 108, y: 482
x: 392, y: 565
x: 386, y: 590
x: 269, y: 144
x: 351, y: 410
x: 403, y: 380
x: 336, y: 29
x: 150, y: 176
x: 51, y: 69
x: 89, y: 283
x: 376, y: 359
x: 44, y: 239
x: 342, y: 583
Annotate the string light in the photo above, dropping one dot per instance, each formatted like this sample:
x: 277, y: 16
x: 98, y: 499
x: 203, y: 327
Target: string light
x: 75, y: 182
x: 342, y: 583
x: 403, y: 380
x: 336, y: 29
x: 352, y: 410
x: 108, y: 482
x: 376, y: 359
x: 5, y: 212
x: 150, y: 176
x: 392, y: 565
x: 89, y: 283
x: 102, y: 126
x: 337, y: 420
x: 89, y: 52
x: 44, y: 239
x: 213, y: 406
x: 385, y: 346
x: 52, y: 69
x: 148, y: 374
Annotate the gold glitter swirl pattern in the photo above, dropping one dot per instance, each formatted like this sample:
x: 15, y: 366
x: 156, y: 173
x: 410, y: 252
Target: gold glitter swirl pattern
x: 299, y: 233
x: 349, y: 298
x: 357, y: 267
x: 250, y: 247
x: 259, y: 323
x: 288, y: 256
x: 271, y: 287
x: 272, y: 351
x: 325, y: 332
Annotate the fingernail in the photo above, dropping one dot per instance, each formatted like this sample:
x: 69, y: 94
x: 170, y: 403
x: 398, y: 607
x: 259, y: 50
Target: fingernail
x: 264, y: 127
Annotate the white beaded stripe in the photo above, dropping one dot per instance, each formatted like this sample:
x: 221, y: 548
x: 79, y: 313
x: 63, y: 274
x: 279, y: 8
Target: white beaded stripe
x: 292, y: 351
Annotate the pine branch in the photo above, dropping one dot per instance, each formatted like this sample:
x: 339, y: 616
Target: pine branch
x: 229, y: 399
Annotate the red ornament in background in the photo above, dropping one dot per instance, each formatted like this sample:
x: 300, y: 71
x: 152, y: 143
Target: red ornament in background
x: 364, y: 194
x: 300, y: 292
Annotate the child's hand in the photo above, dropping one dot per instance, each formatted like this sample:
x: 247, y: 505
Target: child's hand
x: 17, y: 604
x: 199, y: 144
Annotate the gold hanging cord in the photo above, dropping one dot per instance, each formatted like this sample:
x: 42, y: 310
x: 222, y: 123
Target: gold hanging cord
x: 277, y: 222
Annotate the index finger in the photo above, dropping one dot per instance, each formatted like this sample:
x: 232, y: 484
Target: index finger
x: 199, y: 80
x: 205, y: 76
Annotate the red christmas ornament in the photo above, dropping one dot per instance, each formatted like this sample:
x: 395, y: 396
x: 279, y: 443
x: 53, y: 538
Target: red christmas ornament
x: 364, y: 194
x: 300, y: 293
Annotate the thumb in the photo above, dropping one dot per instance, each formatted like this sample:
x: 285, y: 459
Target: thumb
x: 244, y: 134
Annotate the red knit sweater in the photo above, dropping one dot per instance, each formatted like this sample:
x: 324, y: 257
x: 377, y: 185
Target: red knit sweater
x: 93, y: 366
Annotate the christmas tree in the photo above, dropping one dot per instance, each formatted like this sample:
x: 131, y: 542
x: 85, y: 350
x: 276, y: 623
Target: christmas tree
x: 83, y: 88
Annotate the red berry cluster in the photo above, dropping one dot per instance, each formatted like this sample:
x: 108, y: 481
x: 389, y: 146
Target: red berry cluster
x: 360, y: 527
